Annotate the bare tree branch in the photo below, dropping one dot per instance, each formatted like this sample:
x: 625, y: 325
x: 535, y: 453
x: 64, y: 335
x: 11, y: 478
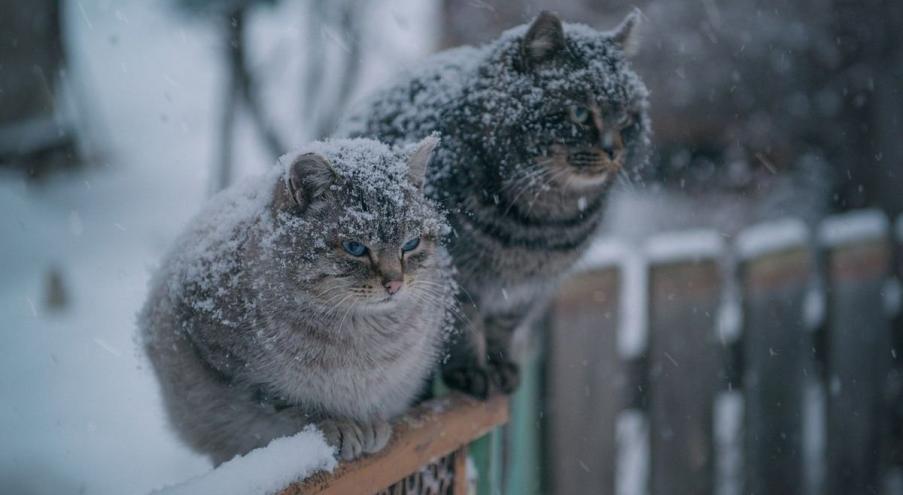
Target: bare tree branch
x: 349, y: 21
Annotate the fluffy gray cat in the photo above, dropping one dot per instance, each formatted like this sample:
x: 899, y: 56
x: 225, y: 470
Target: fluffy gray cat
x: 535, y: 126
x: 316, y: 294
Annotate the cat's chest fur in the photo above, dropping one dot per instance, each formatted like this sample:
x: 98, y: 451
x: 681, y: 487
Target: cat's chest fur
x: 372, y: 370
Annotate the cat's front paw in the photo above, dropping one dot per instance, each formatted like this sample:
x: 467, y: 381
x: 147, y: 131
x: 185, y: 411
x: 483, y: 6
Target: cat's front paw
x: 354, y: 438
x: 482, y: 381
x: 472, y: 380
x: 376, y: 436
x: 505, y: 376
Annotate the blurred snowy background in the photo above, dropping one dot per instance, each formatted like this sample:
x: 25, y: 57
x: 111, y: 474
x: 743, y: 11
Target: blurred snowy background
x: 118, y: 118
x: 143, y: 91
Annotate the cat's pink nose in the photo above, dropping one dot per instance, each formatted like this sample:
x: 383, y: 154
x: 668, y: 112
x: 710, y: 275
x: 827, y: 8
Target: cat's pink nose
x: 393, y: 286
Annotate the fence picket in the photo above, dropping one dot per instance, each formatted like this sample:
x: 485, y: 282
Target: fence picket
x: 684, y: 360
x: 858, y: 350
x: 585, y: 383
x: 896, y: 413
x: 776, y: 354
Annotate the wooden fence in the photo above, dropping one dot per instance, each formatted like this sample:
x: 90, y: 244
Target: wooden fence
x: 767, y: 363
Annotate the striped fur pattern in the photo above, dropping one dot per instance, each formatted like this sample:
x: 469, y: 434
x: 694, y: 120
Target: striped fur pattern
x: 260, y: 321
x: 535, y: 129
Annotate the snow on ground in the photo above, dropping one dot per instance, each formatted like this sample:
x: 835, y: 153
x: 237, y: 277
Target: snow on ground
x: 728, y: 429
x: 632, y: 443
x: 814, y: 307
x: 81, y: 411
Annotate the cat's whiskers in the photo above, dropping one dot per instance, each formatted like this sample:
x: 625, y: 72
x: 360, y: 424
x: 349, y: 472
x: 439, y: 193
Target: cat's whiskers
x: 522, y: 183
x: 347, y: 312
x: 528, y: 182
x: 334, y: 303
x: 331, y: 295
x: 528, y: 176
x: 439, y: 293
x: 554, y: 176
x: 332, y: 311
x: 431, y: 299
x: 627, y: 180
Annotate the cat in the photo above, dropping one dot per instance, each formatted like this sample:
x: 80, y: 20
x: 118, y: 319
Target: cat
x: 316, y: 294
x: 536, y: 127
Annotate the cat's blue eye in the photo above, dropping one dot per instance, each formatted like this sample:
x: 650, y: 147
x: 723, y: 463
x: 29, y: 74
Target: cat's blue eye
x: 579, y: 114
x: 354, y: 248
x: 411, y: 245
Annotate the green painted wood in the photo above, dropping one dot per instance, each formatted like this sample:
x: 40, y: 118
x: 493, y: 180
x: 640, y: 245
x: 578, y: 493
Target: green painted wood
x: 486, y: 453
x: 523, y: 469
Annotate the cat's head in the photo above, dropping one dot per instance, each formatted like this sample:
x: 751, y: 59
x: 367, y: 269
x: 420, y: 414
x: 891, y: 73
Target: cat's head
x: 352, y: 227
x: 559, y: 102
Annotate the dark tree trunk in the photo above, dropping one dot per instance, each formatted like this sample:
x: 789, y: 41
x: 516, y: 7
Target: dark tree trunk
x: 33, y: 136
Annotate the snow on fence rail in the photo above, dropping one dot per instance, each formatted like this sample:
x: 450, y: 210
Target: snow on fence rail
x: 787, y: 406
x: 426, y: 455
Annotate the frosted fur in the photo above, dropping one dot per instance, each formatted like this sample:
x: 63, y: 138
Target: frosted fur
x: 422, y: 100
x: 509, y: 167
x: 259, y: 323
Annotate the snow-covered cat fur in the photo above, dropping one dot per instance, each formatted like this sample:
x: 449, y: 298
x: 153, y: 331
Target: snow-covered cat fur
x: 261, y: 320
x: 535, y: 126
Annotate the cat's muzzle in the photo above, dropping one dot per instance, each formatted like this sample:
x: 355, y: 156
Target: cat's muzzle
x: 595, y: 161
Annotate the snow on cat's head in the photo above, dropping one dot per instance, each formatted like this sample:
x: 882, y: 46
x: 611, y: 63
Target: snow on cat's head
x: 351, y: 223
x: 562, y: 97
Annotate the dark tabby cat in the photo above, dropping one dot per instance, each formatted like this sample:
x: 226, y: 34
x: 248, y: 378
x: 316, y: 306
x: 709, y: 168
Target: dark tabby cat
x: 535, y: 128
x: 315, y: 295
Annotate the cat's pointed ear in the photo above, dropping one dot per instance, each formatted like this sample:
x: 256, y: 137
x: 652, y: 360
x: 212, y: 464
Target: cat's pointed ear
x: 544, y: 39
x: 626, y: 35
x: 420, y: 159
x: 308, y: 176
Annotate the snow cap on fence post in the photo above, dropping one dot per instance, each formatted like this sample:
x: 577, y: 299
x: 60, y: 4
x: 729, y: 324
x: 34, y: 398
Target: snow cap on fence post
x: 780, y: 235
x: 688, y: 245
x: 692, y: 246
x: 770, y: 237
x: 864, y: 226
x: 850, y: 227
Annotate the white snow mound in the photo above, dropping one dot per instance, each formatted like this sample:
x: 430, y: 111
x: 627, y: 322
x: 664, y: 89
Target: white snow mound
x: 265, y: 470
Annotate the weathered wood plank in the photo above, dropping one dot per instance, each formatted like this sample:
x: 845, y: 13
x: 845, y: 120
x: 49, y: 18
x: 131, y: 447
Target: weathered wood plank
x: 585, y: 384
x: 461, y: 481
x: 896, y: 413
x: 858, y: 352
x: 683, y: 374
x: 777, y: 358
x: 431, y: 431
